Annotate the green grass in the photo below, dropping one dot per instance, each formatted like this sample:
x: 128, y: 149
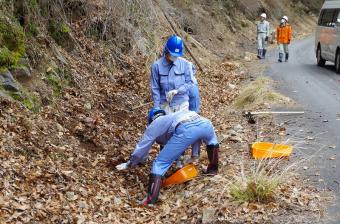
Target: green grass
x: 32, y: 29
x: 33, y: 4
x: 28, y: 100
x: 56, y: 84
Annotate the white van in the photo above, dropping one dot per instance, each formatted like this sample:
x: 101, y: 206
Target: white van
x: 327, y: 38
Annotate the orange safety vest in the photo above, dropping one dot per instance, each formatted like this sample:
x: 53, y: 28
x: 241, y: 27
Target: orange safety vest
x: 284, y: 34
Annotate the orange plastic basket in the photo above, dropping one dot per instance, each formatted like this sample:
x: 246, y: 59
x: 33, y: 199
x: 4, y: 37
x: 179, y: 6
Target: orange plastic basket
x: 262, y: 150
x: 181, y: 176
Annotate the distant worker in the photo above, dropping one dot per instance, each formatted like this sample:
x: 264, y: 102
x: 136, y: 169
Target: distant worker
x: 176, y: 131
x: 283, y: 37
x: 263, y: 32
x: 172, y: 78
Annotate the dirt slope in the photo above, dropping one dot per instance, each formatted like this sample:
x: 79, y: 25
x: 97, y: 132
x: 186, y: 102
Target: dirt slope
x: 81, y: 109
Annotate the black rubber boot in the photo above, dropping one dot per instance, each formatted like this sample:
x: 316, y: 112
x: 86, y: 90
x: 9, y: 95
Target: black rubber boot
x: 155, y: 184
x: 259, y: 53
x: 287, y: 56
x: 264, y: 53
x: 212, y: 151
x: 280, y: 57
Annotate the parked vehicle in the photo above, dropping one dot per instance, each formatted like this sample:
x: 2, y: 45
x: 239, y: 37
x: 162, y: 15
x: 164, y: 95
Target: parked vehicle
x: 327, y: 37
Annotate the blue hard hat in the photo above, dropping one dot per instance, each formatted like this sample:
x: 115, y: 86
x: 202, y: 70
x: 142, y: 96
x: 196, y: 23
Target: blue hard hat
x: 174, y: 46
x: 155, y: 113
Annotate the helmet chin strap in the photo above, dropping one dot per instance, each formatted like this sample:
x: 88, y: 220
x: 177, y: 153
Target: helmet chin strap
x: 157, y: 116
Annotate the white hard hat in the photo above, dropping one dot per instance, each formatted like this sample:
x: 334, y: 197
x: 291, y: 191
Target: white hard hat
x: 285, y: 18
x: 264, y: 15
x: 283, y: 21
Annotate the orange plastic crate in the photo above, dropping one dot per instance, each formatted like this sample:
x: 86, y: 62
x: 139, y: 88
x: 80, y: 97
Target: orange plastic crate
x: 180, y: 176
x: 262, y: 150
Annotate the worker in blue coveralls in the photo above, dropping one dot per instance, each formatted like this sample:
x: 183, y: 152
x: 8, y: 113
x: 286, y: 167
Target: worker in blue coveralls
x: 173, y: 79
x: 177, y: 131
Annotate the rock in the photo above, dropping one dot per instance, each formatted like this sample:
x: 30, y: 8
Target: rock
x: 232, y: 132
x: 235, y: 139
x: 82, y: 205
x: 117, y: 201
x: 88, y: 106
x: 71, y: 196
x: 238, y: 128
x: 8, y: 81
x: 59, y: 56
x: 249, y: 56
x: 310, y: 138
x: 24, y: 62
x: 22, y: 73
x: 231, y: 26
x: 208, y: 215
x: 60, y: 128
x: 49, y: 69
x: 232, y: 86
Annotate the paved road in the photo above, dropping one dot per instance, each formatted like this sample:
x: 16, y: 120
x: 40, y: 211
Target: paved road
x: 317, y: 92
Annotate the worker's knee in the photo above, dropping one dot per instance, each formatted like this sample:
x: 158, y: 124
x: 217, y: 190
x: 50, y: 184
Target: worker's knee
x: 160, y: 167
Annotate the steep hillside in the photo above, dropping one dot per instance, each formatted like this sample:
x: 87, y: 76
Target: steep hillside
x: 75, y: 93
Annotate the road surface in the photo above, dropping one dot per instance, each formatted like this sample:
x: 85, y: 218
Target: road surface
x: 316, y: 91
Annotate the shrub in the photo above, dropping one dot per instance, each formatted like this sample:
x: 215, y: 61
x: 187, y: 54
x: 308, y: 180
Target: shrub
x: 59, y: 31
x: 256, y: 188
x: 12, y: 43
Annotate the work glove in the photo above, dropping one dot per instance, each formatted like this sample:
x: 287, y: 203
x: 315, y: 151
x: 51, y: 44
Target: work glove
x: 171, y: 95
x: 123, y: 166
x: 266, y: 39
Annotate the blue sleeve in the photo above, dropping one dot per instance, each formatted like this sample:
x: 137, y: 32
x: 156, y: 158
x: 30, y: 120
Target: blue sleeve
x: 156, y: 129
x: 155, y: 86
x: 189, y: 83
x: 194, y: 79
x: 194, y: 70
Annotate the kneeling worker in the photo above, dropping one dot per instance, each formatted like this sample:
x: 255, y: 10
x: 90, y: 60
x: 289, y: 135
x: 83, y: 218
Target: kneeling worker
x: 178, y: 131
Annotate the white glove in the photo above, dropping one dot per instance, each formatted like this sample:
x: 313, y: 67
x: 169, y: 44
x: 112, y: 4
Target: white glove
x: 123, y: 166
x: 171, y: 95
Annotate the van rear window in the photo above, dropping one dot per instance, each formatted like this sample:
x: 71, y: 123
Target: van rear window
x: 328, y: 17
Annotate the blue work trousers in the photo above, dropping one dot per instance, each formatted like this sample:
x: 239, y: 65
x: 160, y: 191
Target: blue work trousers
x: 185, y: 135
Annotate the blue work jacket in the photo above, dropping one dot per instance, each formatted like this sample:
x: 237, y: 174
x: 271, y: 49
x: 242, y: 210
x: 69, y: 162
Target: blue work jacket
x: 167, y: 76
x: 160, y: 131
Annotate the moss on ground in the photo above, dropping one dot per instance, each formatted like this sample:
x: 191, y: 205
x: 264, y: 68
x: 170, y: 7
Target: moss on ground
x: 55, y: 82
x: 12, y: 42
x: 30, y: 101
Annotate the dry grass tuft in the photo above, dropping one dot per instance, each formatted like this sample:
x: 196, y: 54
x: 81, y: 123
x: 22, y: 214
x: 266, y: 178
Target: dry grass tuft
x: 259, y: 186
x: 258, y: 93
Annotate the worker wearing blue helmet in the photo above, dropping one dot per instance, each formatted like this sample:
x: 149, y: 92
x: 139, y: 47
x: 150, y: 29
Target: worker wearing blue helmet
x: 177, y: 131
x: 172, y: 78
